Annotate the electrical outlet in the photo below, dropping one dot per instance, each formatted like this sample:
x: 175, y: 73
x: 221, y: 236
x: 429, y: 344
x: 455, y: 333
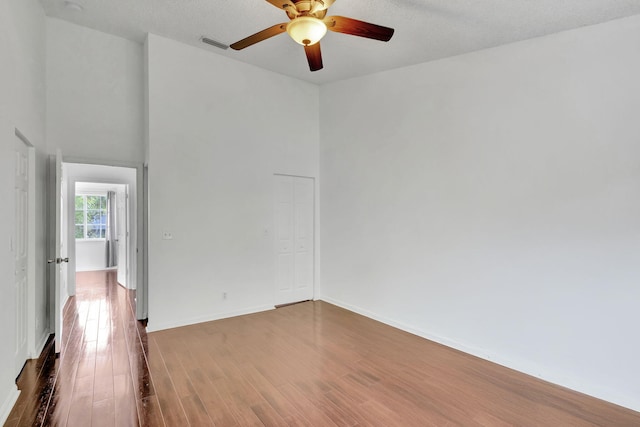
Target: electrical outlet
x: 167, y: 235
x: 224, y: 295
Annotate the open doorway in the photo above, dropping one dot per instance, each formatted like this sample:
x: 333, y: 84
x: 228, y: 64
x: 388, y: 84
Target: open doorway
x: 104, y: 224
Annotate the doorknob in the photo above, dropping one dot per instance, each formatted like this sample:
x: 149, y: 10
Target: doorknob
x: 58, y: 260
x: 51, y: 261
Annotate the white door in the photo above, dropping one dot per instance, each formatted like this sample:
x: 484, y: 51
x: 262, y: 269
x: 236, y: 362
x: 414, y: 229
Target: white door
x: 57, y: 252
x: 294, y: 202
x: 21, y: 167
x: 122, y: 226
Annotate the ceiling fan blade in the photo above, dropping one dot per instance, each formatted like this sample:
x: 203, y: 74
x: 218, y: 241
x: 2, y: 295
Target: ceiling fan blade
x: 314, y: 56
x: 260, y: 36
x: 341, y: 24
x: 286, y: 5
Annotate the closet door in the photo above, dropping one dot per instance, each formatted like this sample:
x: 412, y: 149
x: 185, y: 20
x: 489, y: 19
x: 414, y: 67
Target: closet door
x: 294, y: 246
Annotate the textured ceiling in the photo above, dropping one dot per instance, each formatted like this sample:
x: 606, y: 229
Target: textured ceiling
x: 425, y: 29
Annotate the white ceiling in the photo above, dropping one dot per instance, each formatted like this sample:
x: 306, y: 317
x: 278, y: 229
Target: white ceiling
x: 425, y: 29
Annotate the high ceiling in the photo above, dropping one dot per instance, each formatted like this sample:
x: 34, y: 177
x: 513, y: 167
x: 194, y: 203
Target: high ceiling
x: 425, y: 29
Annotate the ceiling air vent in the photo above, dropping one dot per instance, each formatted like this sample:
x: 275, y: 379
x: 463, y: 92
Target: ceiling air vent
x: 213, y: 42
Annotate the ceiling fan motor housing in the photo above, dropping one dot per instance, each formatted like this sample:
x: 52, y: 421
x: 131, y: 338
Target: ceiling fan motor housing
x: 315, y: 8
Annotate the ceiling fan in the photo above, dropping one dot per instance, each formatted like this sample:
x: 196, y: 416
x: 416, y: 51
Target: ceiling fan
x: 309, y: 23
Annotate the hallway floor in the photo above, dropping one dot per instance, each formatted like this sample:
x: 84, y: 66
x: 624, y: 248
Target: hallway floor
x: 102, y: 377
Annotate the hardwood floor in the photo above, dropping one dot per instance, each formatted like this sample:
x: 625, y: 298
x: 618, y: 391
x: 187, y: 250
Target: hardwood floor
x: 315, y: 364
x: 101, y: 377
x: 309, y: 364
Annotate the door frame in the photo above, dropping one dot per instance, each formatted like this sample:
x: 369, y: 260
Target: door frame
x: 123, y: 229
x: 54, y: 253
x: 141, y: 243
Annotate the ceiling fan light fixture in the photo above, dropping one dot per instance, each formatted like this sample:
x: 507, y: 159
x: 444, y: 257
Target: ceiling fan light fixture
x: 306, y: 30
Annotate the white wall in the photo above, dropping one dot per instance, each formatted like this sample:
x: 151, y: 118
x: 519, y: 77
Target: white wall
x: 90, y: 255
x: 218, y: 131
x: 21, y: 107
x: 94, y: 94
x: 8, y: 391
x: 491, y: 201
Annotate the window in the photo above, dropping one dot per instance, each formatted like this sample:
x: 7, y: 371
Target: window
x: 91, y: 216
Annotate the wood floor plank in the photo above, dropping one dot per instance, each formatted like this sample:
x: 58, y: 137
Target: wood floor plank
x: 268, y: 416
x: 213, y: 403
x: 80, y: 411
x: 103, y: 413
x: 195, y: 410
x: 168, y: 400
x: 316, y: 391
x: 269, y: 392
x: 151, y: 415
x: 237, y: 405
x: 303, y: 405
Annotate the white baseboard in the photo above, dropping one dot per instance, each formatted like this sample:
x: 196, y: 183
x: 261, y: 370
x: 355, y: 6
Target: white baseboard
x: 152, y: 327
x: 521, y: 366
x: 40, y: 345
x: 7, y: 405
